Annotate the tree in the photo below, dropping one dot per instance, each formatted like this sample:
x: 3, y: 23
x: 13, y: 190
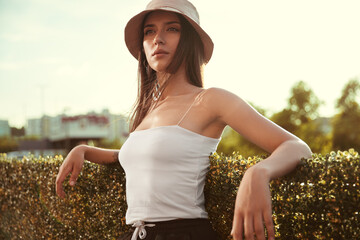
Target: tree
x: 110, y: 144
x: 284, y: 119
x: 318, y: 139
x: 303, y: 103
x: 346, y: 132
x: 302, y: 108
x: 300, y: 117
x: 234, y: 142
x: 7, y: 144
x: 347, y: 103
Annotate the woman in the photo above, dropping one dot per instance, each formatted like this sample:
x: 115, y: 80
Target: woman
x: 176, y: 124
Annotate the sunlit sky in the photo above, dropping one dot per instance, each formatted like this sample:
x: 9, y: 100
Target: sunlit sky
x: 66, y: 56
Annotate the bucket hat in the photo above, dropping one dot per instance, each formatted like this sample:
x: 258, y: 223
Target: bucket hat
x: 183, y: 7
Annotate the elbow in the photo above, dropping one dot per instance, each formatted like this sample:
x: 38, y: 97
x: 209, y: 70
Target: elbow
x: 309, y: 152
x: 301, y: 149
x: 306, y: 149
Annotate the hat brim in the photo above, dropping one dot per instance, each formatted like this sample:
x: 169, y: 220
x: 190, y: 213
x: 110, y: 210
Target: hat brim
x: 132, y: 33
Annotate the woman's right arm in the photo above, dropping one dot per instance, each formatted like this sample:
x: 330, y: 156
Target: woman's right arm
x: 74, y: 162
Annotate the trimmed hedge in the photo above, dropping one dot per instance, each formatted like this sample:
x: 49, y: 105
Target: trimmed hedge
x: 320, y: 200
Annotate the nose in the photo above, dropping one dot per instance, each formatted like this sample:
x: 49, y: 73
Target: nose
x: 159, y: 38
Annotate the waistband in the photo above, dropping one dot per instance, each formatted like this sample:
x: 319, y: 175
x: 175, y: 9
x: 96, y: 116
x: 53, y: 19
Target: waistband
x: 167, y: 225
x: 180, y: 223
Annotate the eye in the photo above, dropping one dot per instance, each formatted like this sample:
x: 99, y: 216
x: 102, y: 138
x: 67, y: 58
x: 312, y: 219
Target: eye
x: 148, y: 31
x: 173, y: 29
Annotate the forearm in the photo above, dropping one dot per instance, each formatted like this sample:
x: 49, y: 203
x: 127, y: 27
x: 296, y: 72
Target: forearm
x: 253, y: 201
x: 284, y: 159
x: 99, y: 155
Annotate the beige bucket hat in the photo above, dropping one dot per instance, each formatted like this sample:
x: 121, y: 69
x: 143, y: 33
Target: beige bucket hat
x: 184, y: 7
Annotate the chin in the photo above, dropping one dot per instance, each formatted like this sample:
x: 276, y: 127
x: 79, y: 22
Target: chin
x: 159, y: 68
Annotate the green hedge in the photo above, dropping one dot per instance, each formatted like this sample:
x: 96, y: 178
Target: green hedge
x: 320, y: 200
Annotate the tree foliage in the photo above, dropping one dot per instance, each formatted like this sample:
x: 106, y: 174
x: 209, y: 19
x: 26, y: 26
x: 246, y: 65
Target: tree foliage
x: 233, y: 142
x: 283, y: 119
x: 347, y: 103
x: 345, y: 124
x: 301, y: 118
x: 110, y: 144
x: 7, y: 144
x: 318, y: 139
x: 302, y: 107
x: 303, y: 103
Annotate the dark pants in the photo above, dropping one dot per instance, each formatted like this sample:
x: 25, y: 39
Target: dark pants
x: 182, y: 229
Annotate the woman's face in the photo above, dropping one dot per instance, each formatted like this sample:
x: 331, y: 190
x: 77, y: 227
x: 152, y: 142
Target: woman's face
x: 161, y: 37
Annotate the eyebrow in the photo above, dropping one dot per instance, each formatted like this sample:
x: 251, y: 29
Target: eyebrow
x: 167, y: 23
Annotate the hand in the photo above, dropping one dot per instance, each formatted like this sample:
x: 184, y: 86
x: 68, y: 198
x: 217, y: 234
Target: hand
x: 253, y: 207
x: 73, y: 164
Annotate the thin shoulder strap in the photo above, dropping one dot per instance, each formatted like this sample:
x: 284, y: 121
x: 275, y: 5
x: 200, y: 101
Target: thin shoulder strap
x: 200, y: 94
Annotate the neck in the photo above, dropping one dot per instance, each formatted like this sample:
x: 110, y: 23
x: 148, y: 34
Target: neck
x: 178, y: 83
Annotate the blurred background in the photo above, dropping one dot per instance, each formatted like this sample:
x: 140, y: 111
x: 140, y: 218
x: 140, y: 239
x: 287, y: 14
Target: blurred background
x: 66, y: 76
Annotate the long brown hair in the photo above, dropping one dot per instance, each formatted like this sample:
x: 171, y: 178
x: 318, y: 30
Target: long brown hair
x: 190, y: 51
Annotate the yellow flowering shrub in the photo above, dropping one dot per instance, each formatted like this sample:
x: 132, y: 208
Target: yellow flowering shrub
x: 319, y: 200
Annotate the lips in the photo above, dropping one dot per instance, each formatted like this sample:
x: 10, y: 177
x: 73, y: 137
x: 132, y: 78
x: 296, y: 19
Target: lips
x: 159, y: 52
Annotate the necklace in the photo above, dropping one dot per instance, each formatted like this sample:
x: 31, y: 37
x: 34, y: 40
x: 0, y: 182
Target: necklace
x: 156, y: 93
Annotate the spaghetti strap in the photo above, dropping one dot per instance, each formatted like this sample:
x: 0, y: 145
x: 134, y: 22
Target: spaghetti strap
x: 192, y: 104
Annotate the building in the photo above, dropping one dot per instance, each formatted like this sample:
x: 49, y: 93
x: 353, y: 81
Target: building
x: 5, y: 130
x: 38, y: 127
x: 65, y: 132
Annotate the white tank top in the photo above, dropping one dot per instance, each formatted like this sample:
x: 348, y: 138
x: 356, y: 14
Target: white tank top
x: 165, y: 171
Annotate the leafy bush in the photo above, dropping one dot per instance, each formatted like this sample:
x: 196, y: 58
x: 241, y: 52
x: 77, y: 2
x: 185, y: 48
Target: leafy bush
x: 317, y: 201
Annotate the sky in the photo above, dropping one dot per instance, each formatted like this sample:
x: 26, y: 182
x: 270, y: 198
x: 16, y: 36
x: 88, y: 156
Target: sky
x: 69, y: 56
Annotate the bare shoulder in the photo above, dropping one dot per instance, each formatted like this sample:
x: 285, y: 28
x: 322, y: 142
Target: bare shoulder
x: 219, y: 94
x: 226, y: 105
x: 218, y: 97
x: 219, y: 102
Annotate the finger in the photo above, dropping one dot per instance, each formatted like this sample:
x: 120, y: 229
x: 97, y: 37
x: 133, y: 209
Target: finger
x: 249, y: 228
x: 74, y: 175
x: 269, y: 224
x: 259, y: 227
x: 59, y: 181
x: 237, y: 228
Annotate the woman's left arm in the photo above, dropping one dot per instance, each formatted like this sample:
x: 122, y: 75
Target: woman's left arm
x: 253, y: 201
